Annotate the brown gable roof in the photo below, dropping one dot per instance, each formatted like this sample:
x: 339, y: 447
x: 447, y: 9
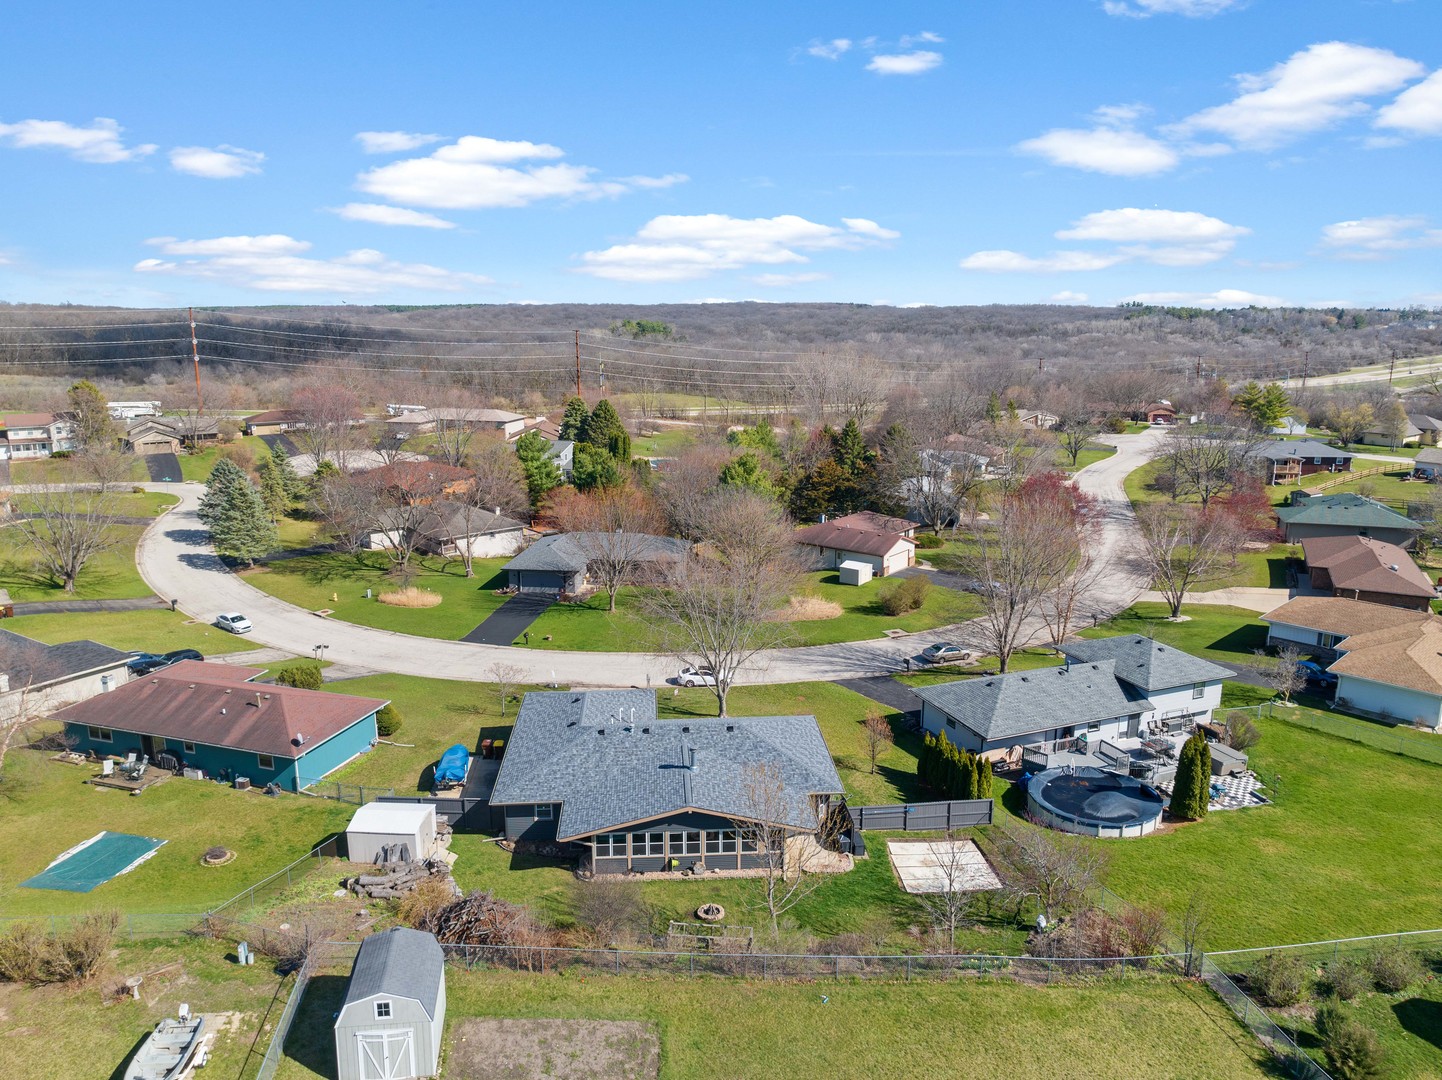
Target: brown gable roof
x: 1336, y: 615
x: 1408, y: 656
x: 274, y: 416
x: 28, y: 420
x: 426, y: 477
x: 870, y: 521
x: 214, y: 704
x: 864, y: 542
x: 1367, y: 565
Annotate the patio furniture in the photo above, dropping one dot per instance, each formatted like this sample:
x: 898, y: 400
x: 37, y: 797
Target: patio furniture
x: 107, y: 767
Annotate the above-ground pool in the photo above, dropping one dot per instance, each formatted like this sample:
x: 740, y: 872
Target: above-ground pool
x: 1093, y: 802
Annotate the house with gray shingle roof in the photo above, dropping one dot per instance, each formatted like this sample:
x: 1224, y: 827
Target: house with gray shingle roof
x: 1286, y: 460
x: 1108, y: 688
x: 599, y: 769
x: 1344, y: 515
x: 557, y: 563
x: 36, y: 678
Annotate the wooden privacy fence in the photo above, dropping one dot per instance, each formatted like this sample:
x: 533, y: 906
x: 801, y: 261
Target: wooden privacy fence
x: 922, y: 817
x: 473, y: 813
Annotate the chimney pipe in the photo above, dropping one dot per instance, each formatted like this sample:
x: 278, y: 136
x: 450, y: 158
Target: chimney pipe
x: 691, y: 764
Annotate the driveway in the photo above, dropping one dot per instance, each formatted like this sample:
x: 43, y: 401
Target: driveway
x: 163, y: 468
x: 509, y: 621
x: 282, y: 441
x: 64, y: 607
x: 885, y: 690
x: 1126, y: 575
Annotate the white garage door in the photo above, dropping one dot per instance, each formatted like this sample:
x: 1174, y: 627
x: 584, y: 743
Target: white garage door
x: 386, y: 1055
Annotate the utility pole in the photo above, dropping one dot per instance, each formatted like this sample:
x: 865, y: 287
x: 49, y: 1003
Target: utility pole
x: 1041, y: 365
x: 578, y: 363
x: 1199, y: 368
x: 195, y: 355
x: 1392, y: 367
x: 1306, y: 366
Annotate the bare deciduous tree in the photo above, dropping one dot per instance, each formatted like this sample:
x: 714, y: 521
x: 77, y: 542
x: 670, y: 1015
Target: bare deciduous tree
x: 947, y: 907
x: 1184, y: 547
x: 1206, y: 460
x: 946, y: 483
x: 774, y: 827
x: 615, y: 528
x: 1283, y: 672
x: 349, y: 506
x: 879, y: 738
x: 497, y: 486
x: 326, y: 414
x: 66, y: 527
x: 1057, y: 870
x: 506, y: 677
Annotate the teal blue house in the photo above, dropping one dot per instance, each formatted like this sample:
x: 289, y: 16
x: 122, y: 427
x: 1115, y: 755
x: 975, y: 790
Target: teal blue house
x: 212, y: 717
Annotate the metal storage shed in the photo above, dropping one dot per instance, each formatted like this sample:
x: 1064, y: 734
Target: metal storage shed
x: 389, y: 832
x: 854, y: 572
x: 389, y: 1027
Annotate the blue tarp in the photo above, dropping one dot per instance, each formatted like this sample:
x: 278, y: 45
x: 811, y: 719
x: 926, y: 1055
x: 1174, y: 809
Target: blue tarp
x: 451, y: 769
x: 104, y: 856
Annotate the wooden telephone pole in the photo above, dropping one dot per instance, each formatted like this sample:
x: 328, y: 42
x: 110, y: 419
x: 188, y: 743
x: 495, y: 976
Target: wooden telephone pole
x: 195, y: 355
x: 578, y: 363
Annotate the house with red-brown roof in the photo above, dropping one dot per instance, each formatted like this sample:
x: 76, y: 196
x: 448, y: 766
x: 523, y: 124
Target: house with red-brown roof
x: 414, y: 482
x: 212, y: 717
x: 1361, y: 568
x: 833, y: 545
x: 35, y: 435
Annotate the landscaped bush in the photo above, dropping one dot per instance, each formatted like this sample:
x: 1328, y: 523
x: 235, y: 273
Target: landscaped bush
x: 410, y: 597
x: 1394, y: 968
x: 388, y: 721
x: 929, y: 541
x: 1279, y: 979
x: 1352, y: 1049
x: 1241, y: 733
x: 31, y: 954
x: 905, y: 596
x: 612, y: 909
x: 1347, y: 979
x: 303, y: 676
x: 1114, y: 425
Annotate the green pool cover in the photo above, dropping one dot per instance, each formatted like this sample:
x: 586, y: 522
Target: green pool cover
x: 94, y: 862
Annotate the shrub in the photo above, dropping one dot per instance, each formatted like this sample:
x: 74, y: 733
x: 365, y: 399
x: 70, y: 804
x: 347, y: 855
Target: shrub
x: 30, y: 954
x: 303, y: 676
x: 612, y: 909
x: 1347, y: 979
x: 905, y: 596
x: 1241, y: 733
x: 410, y: 597
x: 1279, y: 979
x: 1352, y: 1049
x: 1394, y: 968
x: 929, y: 541
x: 388, y: 721
x: 1114, y: 425
x: 421, y: 905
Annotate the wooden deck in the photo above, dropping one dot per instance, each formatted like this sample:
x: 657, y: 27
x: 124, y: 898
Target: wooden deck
x: 152, y: 777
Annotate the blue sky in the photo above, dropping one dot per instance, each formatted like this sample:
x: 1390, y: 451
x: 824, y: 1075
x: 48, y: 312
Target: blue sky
x: 1190, y: 151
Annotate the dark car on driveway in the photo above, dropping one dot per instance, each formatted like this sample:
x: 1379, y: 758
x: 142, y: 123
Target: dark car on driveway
x: 146, y: 663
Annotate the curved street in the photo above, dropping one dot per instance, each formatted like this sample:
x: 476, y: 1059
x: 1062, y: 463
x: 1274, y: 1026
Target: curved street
x: 176, y: 560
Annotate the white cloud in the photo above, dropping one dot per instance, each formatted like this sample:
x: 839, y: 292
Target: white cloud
x: 926, y: 37
x: 1141, y: 9
x: 1417, y: 110
x: 1117, y: 152
x: 829, y: 50
x: 475, y: 173
x: 1374, y: 237
x: 1058, y: 262
x: 379, y: 214
x: 99, y: 143
x: 1222, y: 298
x: 912, y: 63
x: 677, y: 247
x: 781, y: 281
x: 220, y: 163
x: 277, y: 263
x: 1310, y: 90
x: 1066, y: 296
x: 393, y: 142
x: 1159, y: 237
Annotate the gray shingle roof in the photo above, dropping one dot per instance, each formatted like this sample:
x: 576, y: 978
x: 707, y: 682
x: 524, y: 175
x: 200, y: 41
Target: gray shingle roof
x: 1281, y: 449
x: 447, y: 520
x: 1025, y: 702
x: 401, y: 963
x: 1352, y: 511
x: 1146, y: 664
x: 606, y: 758
x: 565, y: 552
x: 33, y: 664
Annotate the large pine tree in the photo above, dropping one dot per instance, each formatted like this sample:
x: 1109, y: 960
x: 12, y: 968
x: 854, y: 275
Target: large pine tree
x: 574, y: 419
x: 603, y: 429
x: 225, y: 476
x: 1192, y: 788
x: 242, y: 528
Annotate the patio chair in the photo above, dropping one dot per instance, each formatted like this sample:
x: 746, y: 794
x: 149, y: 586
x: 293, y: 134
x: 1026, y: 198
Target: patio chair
x: 107, y: 767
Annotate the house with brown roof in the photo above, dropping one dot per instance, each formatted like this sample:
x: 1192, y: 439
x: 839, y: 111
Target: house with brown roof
x: 212, y: 717
x: 1159, y: 412
x: 1362, y: 568
x: 274, y: 422
x: 833, y: 544
x: 35, y: 435
x: 1387, y: 660
x: 883, y: 523
x: 415, y: 482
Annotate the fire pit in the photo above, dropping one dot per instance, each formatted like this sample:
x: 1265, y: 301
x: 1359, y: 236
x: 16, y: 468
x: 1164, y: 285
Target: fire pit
x: 710, y: 913
x: 216, y: 856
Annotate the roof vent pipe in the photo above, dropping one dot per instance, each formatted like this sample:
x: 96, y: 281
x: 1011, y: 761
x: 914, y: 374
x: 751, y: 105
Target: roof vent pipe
x: 691, y: 763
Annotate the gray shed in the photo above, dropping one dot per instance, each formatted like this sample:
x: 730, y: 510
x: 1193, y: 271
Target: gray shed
x: 382, y: 832
x: 389, y: 1027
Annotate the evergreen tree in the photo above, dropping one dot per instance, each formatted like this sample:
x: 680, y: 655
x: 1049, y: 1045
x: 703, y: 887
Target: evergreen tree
x: 760, y: 436
x: 574, y: 419
x: 984, y: 777
x: 1263, y: 405
x: 541, y: 471
x: 241, y: 527
x: 993, y: 408
x: 1191, y: 790
x: 94, y: 428
x: 294, y: 485
x: 275, y: 492
x: 594, y: 467
x: 603, y: 429
x: 746, y: 471
x: 225, y: 476
x: 925, y: 759
x: 850, y: 451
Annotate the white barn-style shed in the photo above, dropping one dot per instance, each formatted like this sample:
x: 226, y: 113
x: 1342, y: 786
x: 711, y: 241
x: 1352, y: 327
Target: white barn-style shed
x: 382, y: 832
x: 389, y: 1027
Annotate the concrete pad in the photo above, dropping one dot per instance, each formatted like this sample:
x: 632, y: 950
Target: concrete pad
x: 938, y: 866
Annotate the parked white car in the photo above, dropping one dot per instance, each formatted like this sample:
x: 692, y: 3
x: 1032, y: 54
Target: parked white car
x: 233, y: 621
x: 691, y: 676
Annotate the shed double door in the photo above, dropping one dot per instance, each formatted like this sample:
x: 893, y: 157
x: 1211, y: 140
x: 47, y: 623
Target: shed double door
x: 386, y: 1055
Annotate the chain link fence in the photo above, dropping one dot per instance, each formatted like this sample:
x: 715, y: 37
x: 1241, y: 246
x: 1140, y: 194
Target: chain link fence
x: 1396, y: 740
x: 285, y: 878
x: 1291, y: 1058
x: 355, y: 794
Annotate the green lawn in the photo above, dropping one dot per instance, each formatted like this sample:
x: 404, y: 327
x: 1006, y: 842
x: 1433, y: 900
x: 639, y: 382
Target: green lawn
x: 666, y: 442
x: 62, y: 471
x: 965, y: 1029
x: 1408, y: 1025
x: 51, y: 808
x: 198, y: 466
x: 1392, y: 488
x: 1224, y: 634
x: 1256, y: 570
x: 590, y: 627
x: 142, y: 631
x: 1345, y: 851
x: 1090, y: 455
x: 94, y: 1034
x: 339, y: 581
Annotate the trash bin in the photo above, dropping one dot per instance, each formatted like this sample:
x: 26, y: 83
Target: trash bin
x: 487, y: 746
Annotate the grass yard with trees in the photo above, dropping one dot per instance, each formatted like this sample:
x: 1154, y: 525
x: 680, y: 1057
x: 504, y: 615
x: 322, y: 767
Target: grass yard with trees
x: 157, y: 631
